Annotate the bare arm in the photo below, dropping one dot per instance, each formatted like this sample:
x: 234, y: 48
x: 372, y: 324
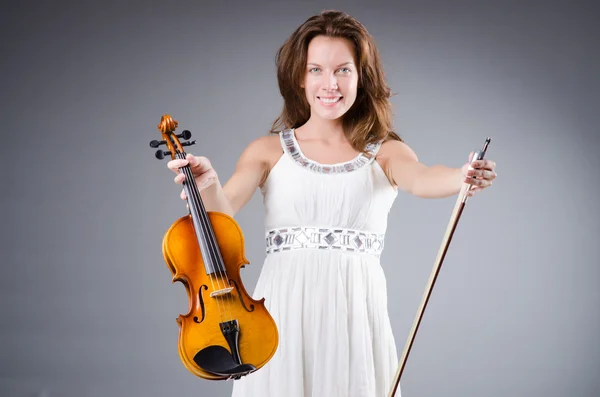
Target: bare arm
x: 401, y: 165
x: 403, y: 169
x: 251, y: 170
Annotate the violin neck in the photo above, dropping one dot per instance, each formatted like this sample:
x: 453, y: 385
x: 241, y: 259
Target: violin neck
x: 211, y: 254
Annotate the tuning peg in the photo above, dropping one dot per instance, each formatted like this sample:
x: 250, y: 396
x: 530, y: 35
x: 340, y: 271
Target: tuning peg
x: 160, y: 154
x: 186, y: 134
x: 156, y: 143
x: 189, y: 143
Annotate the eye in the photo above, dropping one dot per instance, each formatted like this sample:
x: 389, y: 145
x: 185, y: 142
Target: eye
x: 312, y: 70
x: 345, y: 70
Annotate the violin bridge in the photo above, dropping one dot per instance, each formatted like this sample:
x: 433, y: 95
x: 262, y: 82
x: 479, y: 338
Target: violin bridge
x: 221, y: 292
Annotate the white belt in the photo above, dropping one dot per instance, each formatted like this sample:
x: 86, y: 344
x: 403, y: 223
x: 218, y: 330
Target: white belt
x: 332, y: 239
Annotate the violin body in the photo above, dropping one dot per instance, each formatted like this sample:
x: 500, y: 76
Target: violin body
x: 199, y: 328
x: 226, y: 334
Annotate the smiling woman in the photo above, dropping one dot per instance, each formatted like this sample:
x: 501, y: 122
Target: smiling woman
x: 332, y: 55
x: 331, y: 78
x: 329, y: 172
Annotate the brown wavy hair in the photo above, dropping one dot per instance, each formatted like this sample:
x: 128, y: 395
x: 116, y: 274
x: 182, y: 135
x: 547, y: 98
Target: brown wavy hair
x: 369, y: 119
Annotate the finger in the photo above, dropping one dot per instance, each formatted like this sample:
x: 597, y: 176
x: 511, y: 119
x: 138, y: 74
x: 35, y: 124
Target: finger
x: 174, y: 165
x: 179, y: 178
x: 484, y: 164
x: 178, y: 163
x: 200, y: 164
x: 481, y: 174
x: 191, y: 159
x: 183, y: 195
x: 478, y: 182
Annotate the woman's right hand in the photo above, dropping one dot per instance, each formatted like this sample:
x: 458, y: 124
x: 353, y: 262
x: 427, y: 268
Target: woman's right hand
x: 201, y: 168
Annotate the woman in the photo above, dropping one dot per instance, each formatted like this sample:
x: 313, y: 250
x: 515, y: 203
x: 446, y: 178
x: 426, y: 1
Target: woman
x: 329, y: 172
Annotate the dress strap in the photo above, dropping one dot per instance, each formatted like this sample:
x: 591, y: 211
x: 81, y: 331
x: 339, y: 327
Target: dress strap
x: 290, y: 145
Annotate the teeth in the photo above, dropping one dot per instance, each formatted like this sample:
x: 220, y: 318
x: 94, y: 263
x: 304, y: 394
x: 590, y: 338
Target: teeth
x: 326, y: 100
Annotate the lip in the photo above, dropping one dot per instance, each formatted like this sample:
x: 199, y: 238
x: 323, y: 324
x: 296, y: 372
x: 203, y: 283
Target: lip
x: 329, y: 97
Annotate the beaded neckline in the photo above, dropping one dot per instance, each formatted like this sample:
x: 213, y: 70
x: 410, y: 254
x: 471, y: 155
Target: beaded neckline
x: 291, y: 145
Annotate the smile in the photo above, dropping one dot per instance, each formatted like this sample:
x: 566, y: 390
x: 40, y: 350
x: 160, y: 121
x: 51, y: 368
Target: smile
x: 330, y: 101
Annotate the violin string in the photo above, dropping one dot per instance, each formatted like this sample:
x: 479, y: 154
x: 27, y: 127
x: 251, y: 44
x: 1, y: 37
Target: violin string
x: 217, y: 259
x: 213, y: 251
x: 218, y: 263
x: 195, y: 206
x: 220, y: 268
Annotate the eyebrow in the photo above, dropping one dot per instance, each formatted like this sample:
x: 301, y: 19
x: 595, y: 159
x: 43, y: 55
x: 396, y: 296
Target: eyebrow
x: 342, y: 64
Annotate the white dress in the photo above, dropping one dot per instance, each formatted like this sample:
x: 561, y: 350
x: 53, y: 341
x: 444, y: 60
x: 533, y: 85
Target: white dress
x: 322, y: 280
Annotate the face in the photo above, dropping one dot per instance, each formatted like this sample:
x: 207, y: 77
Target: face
x: 331, y: 77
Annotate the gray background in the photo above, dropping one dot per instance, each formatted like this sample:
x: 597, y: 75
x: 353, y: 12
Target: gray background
x: 87, y: 307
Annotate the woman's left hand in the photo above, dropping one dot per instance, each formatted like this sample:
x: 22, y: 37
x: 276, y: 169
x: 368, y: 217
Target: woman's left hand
x: 479, y: 174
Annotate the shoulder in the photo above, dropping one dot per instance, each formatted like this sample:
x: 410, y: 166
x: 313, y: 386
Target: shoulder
x: 393, y: 149
x: 264, y: 150
x: 396, y: 159
x: 265, y: 146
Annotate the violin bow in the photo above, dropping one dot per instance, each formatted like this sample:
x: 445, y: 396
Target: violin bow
x: 461, y: 201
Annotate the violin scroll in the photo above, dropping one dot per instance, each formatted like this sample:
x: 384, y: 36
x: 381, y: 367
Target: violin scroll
x: 167, y: 127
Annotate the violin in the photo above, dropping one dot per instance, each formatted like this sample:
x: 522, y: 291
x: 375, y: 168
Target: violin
x: 226, y: 334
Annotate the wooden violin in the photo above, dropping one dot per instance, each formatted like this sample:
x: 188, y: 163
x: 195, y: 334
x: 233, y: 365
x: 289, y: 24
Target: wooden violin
x: 226, y: 334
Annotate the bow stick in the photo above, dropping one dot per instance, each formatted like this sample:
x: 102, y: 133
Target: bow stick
x: 456, y: 213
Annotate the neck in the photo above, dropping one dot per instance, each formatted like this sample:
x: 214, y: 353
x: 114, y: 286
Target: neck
x: 211, y: 256
x: 326, y: 130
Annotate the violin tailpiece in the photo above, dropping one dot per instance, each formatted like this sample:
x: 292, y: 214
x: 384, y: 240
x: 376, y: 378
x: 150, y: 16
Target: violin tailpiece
x: 219, y: 361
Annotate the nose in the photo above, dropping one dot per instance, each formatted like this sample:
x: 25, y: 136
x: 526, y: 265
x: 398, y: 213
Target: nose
x: 331, y: 83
